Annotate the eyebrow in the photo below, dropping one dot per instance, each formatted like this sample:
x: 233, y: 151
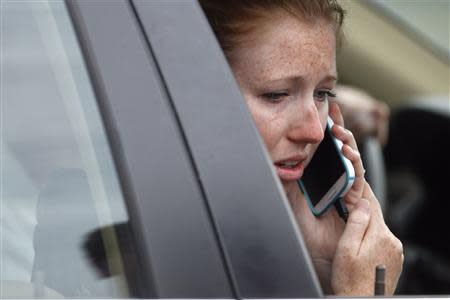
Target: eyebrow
x: 330, y: 78
x: 333, y: 78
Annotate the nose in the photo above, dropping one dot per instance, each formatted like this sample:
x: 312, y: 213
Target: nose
x: 305, y: 125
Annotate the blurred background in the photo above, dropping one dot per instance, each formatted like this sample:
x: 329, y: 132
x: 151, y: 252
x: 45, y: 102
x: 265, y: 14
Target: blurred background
x: 395, y: 62
x: 397, y: 49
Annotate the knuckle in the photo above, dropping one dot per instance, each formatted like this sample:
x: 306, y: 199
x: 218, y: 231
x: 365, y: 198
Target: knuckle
x: 386, y: 240
x: 359, y: 219
x: 348, y: 132
x: 395, y: 243
x: 399, y: 246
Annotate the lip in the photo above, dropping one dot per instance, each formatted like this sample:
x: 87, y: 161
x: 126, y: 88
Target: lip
x: 295, y: 173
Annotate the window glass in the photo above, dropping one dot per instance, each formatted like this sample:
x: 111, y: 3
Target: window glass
x: 63, y: 218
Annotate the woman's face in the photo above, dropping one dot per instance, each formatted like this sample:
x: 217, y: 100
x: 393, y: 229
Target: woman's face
x: 286, y: 74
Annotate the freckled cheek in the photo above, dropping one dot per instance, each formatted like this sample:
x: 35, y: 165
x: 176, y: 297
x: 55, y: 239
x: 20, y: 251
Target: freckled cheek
x: 272, y: 134
x: 269, y: 125
x: 322, y: 110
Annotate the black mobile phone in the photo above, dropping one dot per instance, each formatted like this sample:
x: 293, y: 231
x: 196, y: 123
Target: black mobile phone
x: 328, y: 176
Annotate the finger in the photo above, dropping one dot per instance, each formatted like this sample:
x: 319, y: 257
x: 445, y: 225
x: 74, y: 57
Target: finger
x: 374, y: 203
x: 335, y: 113
x: 345, y: 135
x: 377, y: 215
x: 355, y: 157
x: 356, y: 227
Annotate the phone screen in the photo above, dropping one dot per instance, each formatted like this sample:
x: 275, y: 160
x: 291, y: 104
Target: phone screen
x: 324, y: 169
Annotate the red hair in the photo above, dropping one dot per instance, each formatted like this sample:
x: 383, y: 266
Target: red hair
x: 233, y: 21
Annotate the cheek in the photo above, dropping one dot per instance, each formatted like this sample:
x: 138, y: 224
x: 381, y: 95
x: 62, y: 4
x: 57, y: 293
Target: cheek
x: 322, y: 109
x: 270, y: 125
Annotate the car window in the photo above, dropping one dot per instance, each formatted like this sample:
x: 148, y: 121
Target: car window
x: 63, y: 217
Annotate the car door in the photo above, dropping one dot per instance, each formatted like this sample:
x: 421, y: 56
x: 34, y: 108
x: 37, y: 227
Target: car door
x: 262, y: 246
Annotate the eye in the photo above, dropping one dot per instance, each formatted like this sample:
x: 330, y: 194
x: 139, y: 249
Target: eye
x: 275, y: 96
x: 323, y: 95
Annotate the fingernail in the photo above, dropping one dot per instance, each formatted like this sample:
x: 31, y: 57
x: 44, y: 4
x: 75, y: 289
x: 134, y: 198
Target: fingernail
x: 347, y: 148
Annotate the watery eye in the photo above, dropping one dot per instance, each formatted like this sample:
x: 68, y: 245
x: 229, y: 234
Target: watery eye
x: 323, y: 95
x: 275, y: 96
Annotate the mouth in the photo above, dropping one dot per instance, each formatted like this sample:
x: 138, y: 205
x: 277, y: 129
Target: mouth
x: 290, y: 169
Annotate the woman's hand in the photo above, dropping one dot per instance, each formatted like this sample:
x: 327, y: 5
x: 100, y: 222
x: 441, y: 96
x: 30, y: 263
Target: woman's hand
x: 350, y: 151
x: 324, y: 235
x: 366, y: 243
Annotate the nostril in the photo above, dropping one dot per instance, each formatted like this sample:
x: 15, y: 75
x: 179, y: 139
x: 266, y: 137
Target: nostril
x: 308, y: 133
x: 315, y: 130
x: 320, y: 134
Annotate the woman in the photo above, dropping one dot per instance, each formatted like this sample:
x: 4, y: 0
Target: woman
x: 282, y: 53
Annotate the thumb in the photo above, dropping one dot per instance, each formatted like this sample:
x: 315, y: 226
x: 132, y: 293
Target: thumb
x: 357, y: 224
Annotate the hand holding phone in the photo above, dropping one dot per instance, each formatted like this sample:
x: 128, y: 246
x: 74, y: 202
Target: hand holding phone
x: 329, y: 175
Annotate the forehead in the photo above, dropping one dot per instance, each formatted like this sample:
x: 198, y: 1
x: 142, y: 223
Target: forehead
x: 287, y: 47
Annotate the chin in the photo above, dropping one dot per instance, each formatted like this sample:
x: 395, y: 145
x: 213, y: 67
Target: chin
x: 288, y: 186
